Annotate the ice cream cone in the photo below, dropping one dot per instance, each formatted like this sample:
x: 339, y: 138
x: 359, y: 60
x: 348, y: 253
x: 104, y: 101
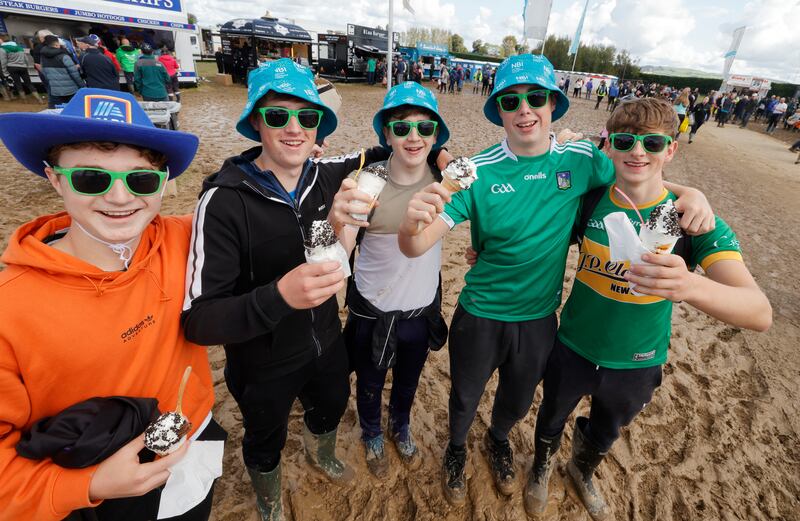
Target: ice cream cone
x: 459, y: 174
x: 371, y: 181
x: 323, y: 246
x: 451, y: 185
x: 657, y: 242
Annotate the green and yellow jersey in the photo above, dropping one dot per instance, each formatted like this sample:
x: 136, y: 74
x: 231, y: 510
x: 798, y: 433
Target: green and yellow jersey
x: 602, y: 320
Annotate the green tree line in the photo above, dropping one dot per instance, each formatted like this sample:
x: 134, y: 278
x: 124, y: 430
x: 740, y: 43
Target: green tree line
x: 601, y: 59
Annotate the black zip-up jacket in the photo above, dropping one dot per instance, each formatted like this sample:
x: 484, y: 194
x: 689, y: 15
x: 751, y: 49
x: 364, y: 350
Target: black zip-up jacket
x: 247, y: 233
x: 99, y: 70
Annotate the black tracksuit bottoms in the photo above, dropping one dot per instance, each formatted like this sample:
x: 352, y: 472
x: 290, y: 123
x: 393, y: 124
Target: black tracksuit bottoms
x: 479, y: 346
x: 323, y: 387
x: 618, y: 395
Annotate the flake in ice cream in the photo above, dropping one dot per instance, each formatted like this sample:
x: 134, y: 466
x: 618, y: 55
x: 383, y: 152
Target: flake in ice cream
x: 662, y: 229
x: 459, y: 174
x: 166, y: 434
x: 323, y: 245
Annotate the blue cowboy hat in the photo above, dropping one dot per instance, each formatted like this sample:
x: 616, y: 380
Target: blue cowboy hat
x: 525, y: 69
x: 93, y: 115
x: 283, y: 77
x: 415, y: 95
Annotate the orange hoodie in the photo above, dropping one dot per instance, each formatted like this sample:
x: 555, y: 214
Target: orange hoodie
x: 69, y: 332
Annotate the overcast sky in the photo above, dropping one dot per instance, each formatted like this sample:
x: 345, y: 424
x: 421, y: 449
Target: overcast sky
x: 676, y: 33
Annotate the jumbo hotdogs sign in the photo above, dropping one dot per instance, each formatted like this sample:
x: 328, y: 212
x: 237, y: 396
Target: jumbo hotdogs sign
x: 168, y: 16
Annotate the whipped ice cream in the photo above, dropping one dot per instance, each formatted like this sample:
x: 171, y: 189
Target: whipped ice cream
x: 167, y: 433
x: 371, y: 181
x: 459, y: 174
x: 662, y: 229
x: 323, y: 245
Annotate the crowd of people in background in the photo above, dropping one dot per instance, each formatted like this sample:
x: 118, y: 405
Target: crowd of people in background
x: 448, y: 78
x: 151, y: 70
x: 65, y: 65
x: 737, y: 106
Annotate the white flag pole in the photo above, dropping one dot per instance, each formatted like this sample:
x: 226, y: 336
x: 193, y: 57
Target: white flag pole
x: 389, y: 56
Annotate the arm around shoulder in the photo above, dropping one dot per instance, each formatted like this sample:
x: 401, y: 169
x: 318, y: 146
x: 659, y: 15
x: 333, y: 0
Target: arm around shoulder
x: 698, y: 216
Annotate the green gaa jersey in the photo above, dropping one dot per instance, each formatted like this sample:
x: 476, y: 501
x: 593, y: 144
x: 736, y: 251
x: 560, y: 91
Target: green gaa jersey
x: 602, y: 320
x: 522, y: 210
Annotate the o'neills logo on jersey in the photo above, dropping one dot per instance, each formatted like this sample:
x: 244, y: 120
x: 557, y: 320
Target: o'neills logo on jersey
x: 134, y: 330
x: 535, y: 177
x: 504, y: 188
x: 596, y: 270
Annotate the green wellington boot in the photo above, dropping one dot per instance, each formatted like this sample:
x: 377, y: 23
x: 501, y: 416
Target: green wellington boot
x: 268, y: 493
x: 585, y: 460
x: 321, y: 453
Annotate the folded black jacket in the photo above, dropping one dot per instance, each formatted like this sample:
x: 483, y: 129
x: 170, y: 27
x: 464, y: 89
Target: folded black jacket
x: 384, y: 334
x: 88, y: 432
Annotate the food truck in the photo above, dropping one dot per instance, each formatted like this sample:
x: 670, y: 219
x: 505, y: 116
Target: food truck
x: 432, y: 55
x: 344, y: 56
x: 157, y: 22
x: 248, y: 42
x: 746, y: 83
x: 209, y: 40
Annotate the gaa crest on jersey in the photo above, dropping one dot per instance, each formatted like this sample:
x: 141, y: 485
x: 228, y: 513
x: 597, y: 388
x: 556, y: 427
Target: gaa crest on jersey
x: 564, y: 180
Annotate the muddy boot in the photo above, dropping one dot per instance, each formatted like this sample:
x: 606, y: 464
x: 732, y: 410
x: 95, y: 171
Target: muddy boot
x: 585, y: 459
x: 544, y: 461
x: 4, y: 93
x: 38, y: 97
x: 268, y: 493
x: 691, y: 136
x: 406, y: 448
x: 501, y: 462
x: 23, y: 96
x: 321, y: 453
x: 377, y: 462
x: 454, y: 476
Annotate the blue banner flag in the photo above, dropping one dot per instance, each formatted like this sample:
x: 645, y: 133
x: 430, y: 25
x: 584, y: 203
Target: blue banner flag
x: 576, y: 41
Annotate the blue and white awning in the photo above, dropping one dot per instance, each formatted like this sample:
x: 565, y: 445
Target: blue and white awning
x: 266, y: 28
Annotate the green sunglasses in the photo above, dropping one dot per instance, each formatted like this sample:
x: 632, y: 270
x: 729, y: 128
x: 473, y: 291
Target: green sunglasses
x: 534, y: 98
x: 402, y: 128
x: 278, y: 117
x: 98, y: 181
x: 652, y: 143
